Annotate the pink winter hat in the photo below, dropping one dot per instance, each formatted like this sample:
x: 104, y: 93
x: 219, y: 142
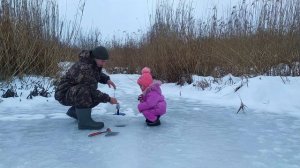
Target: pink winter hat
x: 146, y: 78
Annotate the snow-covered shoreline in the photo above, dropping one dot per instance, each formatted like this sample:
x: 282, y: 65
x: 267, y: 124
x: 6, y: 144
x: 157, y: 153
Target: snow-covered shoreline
x: 201, y: 127
x: 260, y: 94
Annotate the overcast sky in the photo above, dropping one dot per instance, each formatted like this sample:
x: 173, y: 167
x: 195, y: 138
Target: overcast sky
x: 115, y: 17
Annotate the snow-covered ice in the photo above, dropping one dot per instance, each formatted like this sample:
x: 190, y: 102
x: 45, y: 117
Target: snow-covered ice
x: 200, y: 129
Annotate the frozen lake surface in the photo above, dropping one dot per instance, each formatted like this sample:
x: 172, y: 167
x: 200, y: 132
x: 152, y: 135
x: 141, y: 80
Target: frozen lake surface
x: 191, y: 135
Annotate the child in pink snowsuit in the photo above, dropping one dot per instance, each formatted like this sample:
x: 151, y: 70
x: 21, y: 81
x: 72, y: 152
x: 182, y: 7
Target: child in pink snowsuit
x: 152, y: 102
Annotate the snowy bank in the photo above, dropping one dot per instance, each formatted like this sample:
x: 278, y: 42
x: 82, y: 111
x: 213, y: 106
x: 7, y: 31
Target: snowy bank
x: 260, y: 94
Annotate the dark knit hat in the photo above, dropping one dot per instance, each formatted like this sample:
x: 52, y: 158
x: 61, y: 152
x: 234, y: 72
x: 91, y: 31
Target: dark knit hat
x: 100, y: 52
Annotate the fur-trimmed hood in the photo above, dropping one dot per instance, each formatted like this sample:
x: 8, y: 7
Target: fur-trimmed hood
x: 155, y: 86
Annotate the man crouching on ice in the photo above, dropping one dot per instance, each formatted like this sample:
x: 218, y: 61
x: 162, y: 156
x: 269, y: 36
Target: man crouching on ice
x: 78, y: 88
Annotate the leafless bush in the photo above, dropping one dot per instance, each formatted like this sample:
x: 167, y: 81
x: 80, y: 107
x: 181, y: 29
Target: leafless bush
x: 203, y: 84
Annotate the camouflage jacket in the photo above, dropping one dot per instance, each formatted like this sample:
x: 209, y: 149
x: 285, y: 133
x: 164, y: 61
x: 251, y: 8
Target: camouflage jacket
x: 83, y: 73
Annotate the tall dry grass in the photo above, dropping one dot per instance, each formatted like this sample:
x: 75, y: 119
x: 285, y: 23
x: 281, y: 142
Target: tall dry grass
x: 33, y: 38
x: 251, y: 39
